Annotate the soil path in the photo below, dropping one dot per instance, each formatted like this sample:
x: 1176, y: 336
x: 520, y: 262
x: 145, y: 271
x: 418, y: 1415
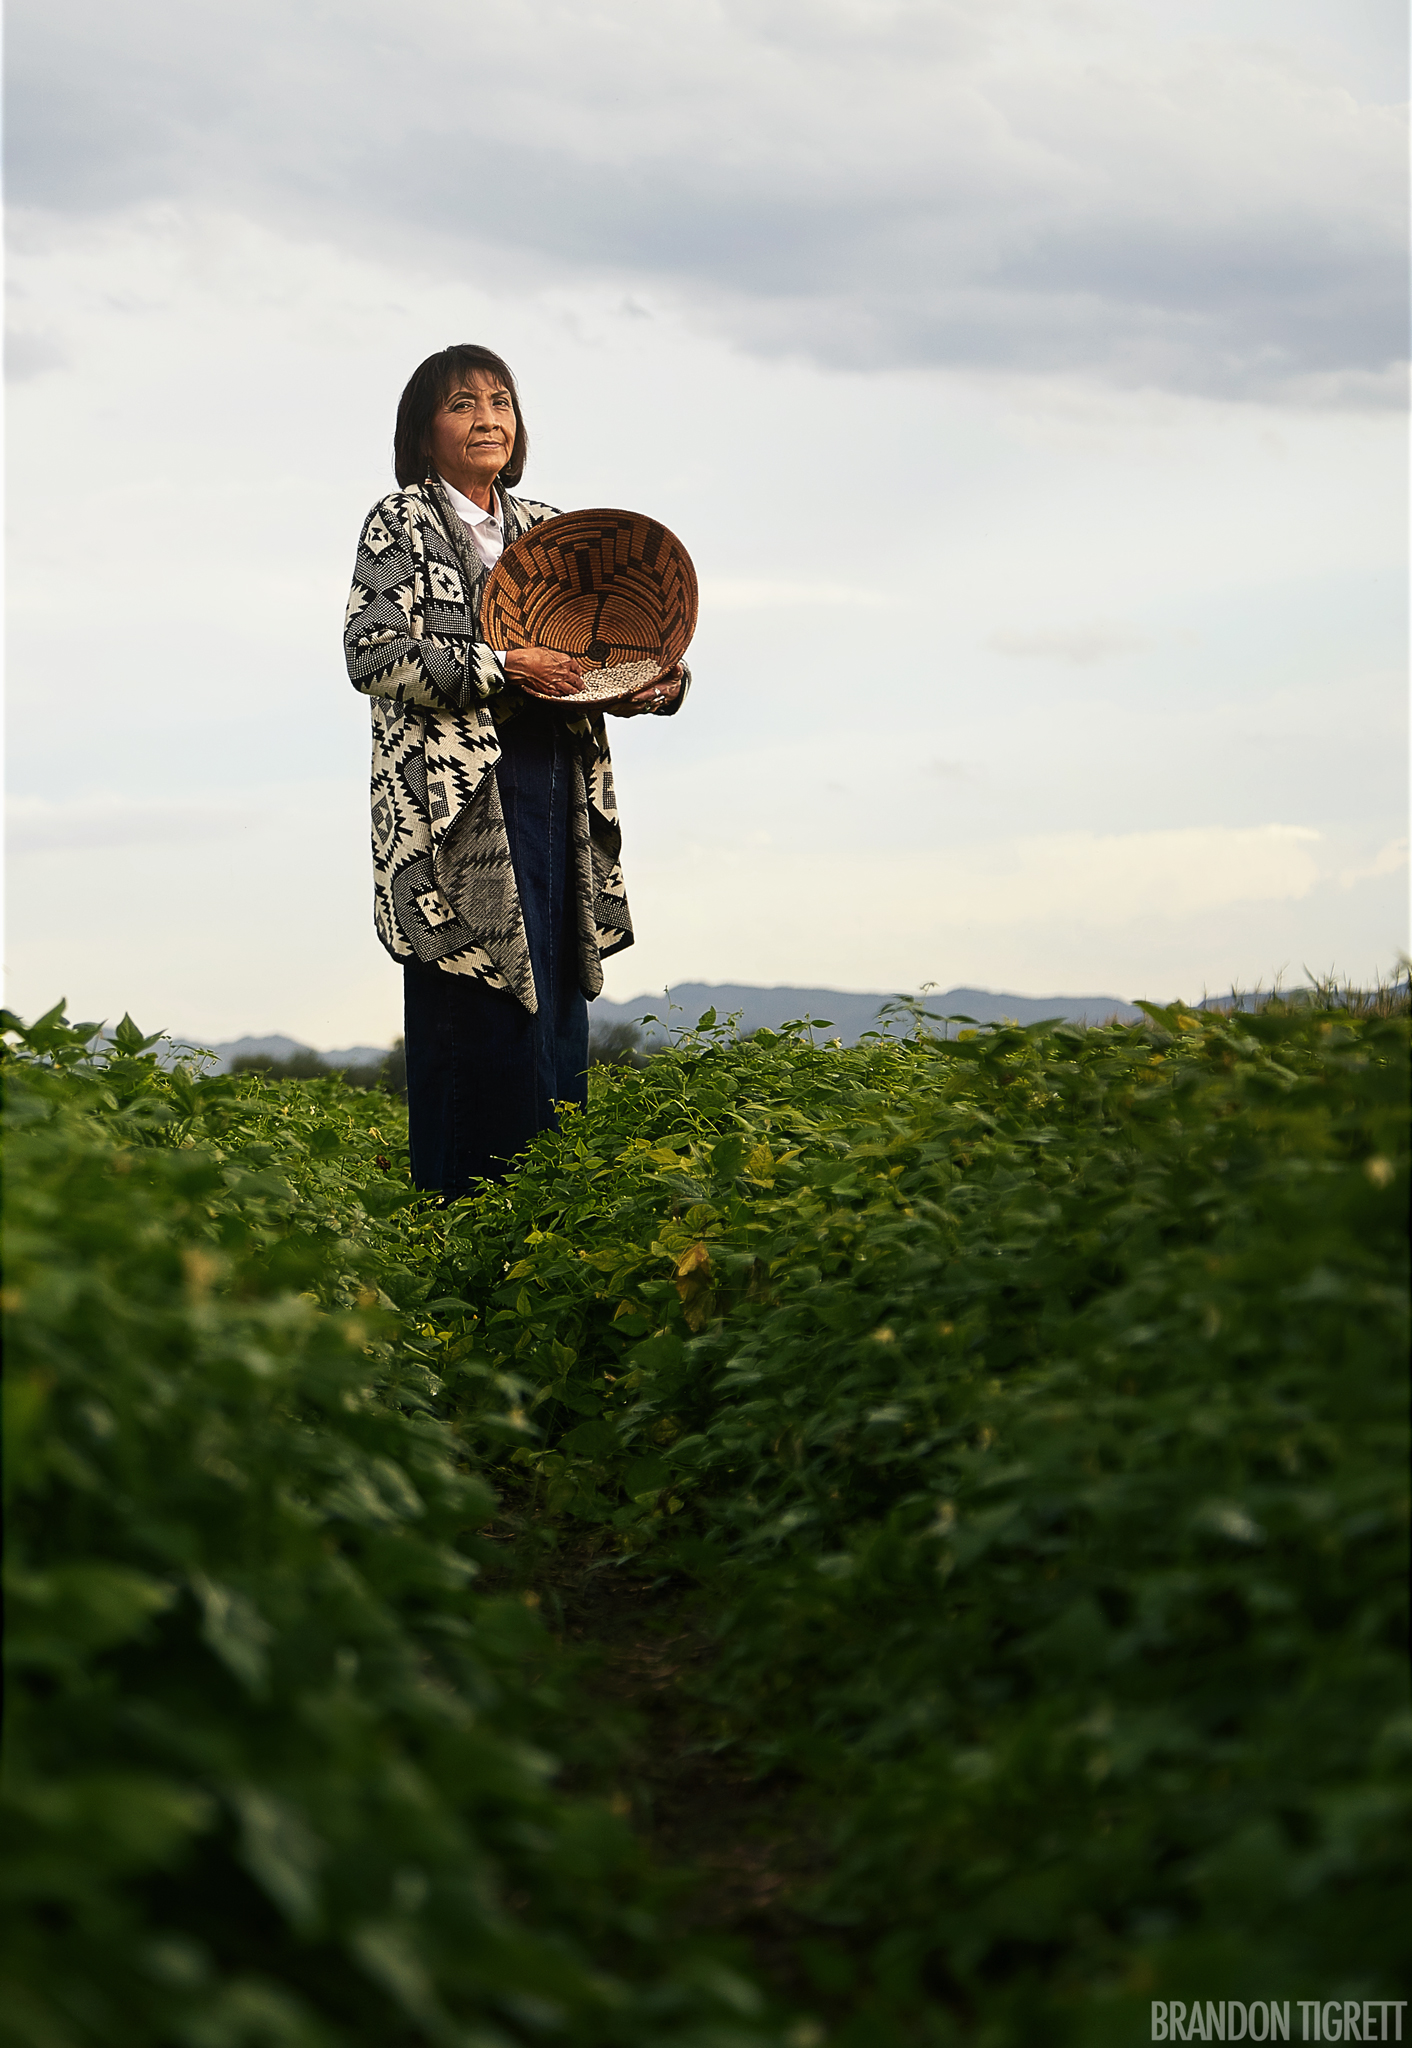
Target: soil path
x: 739, y: 1841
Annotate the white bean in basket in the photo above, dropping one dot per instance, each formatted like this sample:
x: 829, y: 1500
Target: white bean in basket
x: 621, y: 681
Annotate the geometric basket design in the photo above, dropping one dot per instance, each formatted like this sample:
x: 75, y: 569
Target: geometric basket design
x: 614, y: 588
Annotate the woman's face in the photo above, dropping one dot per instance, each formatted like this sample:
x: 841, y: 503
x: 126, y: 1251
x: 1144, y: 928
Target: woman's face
x: 473, y: 434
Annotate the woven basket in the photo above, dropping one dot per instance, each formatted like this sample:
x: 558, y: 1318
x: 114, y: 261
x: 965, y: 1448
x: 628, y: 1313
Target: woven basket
x: 614, y: 588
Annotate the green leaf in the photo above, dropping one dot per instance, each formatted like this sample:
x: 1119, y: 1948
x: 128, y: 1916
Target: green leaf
x: 592, y: 1439
x: 83, y: 1606
x: 645, y: 1475
x: 728, y: 1156
x: 128, y: 1039
x: 580, y: 1399
x: 235, y: 1630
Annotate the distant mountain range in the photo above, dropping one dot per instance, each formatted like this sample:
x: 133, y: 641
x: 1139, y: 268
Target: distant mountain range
x: 278, y: 1047
x: 848, y: 1015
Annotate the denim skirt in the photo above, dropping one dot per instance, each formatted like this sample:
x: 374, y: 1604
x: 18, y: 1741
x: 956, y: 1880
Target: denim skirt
x: 483, y: 1075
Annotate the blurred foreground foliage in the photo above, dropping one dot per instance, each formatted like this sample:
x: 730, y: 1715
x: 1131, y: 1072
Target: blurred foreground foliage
x: 1022, y: 1416
x: 275, y: 1770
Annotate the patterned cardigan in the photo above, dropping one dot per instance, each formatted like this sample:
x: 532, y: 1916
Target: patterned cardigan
x: 444, y: 886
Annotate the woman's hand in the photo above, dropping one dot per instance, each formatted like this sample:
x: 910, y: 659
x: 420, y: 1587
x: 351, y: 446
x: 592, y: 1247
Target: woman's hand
x: 658, y: 696
x: 540, y: 672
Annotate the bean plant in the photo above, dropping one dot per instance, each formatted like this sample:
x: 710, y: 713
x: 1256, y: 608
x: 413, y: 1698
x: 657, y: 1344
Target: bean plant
x: 1018, y: 1416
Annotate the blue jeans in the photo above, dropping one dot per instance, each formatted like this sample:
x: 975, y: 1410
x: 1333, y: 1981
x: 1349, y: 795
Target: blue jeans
x: 483, y: 1075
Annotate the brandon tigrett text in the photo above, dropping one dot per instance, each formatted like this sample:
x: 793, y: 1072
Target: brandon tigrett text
x: 1334, y: 2019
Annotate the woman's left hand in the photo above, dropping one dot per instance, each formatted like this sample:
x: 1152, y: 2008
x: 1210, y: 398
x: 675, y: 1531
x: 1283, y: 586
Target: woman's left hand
x: 658, y: 696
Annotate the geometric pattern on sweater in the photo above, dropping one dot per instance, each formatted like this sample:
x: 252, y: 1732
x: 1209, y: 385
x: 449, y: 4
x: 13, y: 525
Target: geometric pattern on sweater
x: 443, y: 882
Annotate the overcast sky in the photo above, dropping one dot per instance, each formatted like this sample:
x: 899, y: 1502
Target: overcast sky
x: 1025, y: 377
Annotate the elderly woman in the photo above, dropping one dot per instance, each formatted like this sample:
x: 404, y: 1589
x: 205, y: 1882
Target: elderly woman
x: 495, y: 830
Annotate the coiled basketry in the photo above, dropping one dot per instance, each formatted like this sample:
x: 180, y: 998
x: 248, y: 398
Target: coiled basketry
x: 617, y: 589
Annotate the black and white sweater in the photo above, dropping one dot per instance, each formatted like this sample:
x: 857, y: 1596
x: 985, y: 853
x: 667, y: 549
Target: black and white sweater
x: 444, y: 886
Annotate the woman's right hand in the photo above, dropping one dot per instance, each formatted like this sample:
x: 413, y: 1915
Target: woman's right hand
x: 542, y: 673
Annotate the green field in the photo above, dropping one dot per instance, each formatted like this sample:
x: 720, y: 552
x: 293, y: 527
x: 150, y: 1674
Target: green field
x: 892, y: 1545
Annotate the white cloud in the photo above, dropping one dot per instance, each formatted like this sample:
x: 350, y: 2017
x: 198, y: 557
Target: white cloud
x: 1089, y: 880
x: 35, y: 825
x: 1095, y: 878
x: 756, y: 594
x: 1143, y: 913
x: 1390, y: 860
x: 204, y: 917
x: 1012, y: 183
x: 1082, y: 646
x: 1023, y: 222
x: 30, y: 351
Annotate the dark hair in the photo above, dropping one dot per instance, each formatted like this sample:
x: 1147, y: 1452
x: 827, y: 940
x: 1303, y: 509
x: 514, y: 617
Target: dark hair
x: 428, y: 388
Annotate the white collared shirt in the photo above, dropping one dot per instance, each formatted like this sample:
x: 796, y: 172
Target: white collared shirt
x: 487, y: 529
